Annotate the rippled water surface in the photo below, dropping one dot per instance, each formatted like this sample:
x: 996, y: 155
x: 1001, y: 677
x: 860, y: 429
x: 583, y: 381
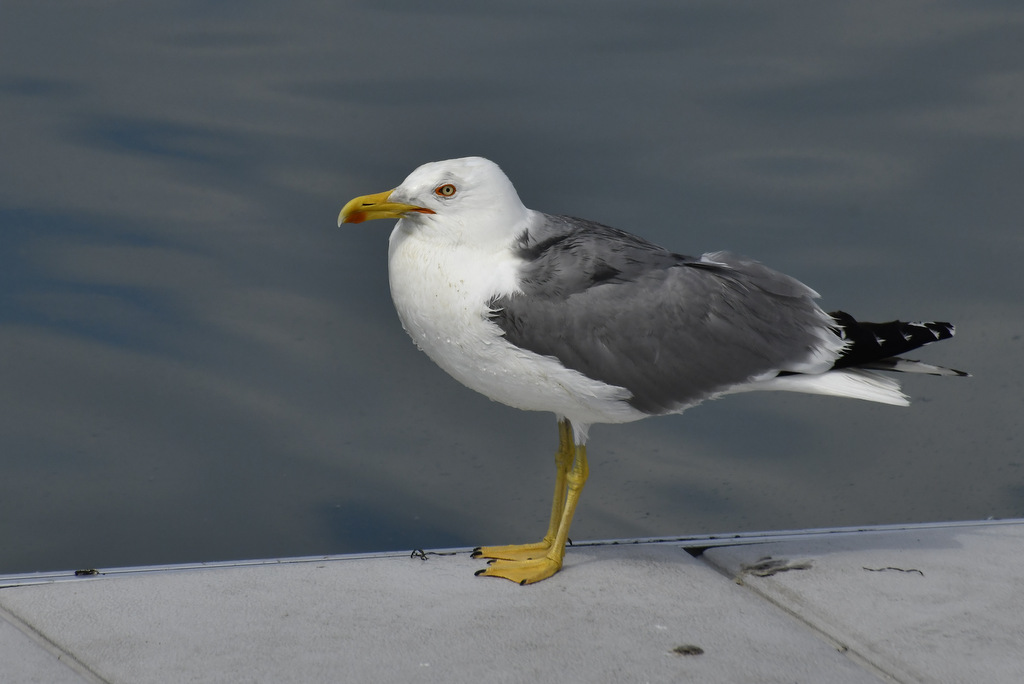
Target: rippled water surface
x: 197, y: 364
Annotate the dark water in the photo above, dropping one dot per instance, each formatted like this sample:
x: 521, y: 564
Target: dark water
x: 196, y: 364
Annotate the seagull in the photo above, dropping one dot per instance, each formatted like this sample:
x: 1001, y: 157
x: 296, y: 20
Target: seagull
x: 596, y: 325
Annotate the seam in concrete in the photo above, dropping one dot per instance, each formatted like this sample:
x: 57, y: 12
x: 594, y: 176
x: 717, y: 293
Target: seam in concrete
x: 62, y: 656
x: 853, y: 654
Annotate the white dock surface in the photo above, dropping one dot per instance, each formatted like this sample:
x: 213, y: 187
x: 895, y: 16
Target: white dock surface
x: 930, y: 603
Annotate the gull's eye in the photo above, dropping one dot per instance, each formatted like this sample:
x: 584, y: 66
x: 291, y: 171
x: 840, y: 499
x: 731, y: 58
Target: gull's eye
x: 446, y: 190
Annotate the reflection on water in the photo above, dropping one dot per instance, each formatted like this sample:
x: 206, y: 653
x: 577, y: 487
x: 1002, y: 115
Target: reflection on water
x: 195, y: 364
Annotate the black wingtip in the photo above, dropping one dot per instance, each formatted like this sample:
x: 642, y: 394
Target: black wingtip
x: 868, y: 343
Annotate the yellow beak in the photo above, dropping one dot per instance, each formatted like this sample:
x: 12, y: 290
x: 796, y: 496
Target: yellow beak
x: 369, y: 207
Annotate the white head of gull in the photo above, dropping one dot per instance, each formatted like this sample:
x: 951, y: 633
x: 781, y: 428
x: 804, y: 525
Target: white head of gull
x: 559, y: 314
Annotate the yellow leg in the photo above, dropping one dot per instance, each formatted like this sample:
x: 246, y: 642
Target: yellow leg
x: 563, y: 461
x: 530, y: 570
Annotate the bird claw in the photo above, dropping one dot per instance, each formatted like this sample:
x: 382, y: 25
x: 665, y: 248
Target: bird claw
x: 522, y: 572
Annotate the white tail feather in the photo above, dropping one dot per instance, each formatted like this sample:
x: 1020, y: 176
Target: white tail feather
x: 848, y: 382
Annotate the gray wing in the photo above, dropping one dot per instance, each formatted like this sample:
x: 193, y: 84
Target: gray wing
x: 671, y: 329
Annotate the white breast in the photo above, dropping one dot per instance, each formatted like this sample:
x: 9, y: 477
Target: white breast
x: 441, y: 293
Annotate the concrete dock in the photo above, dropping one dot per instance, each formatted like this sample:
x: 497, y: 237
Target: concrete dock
x: 939, y: 603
